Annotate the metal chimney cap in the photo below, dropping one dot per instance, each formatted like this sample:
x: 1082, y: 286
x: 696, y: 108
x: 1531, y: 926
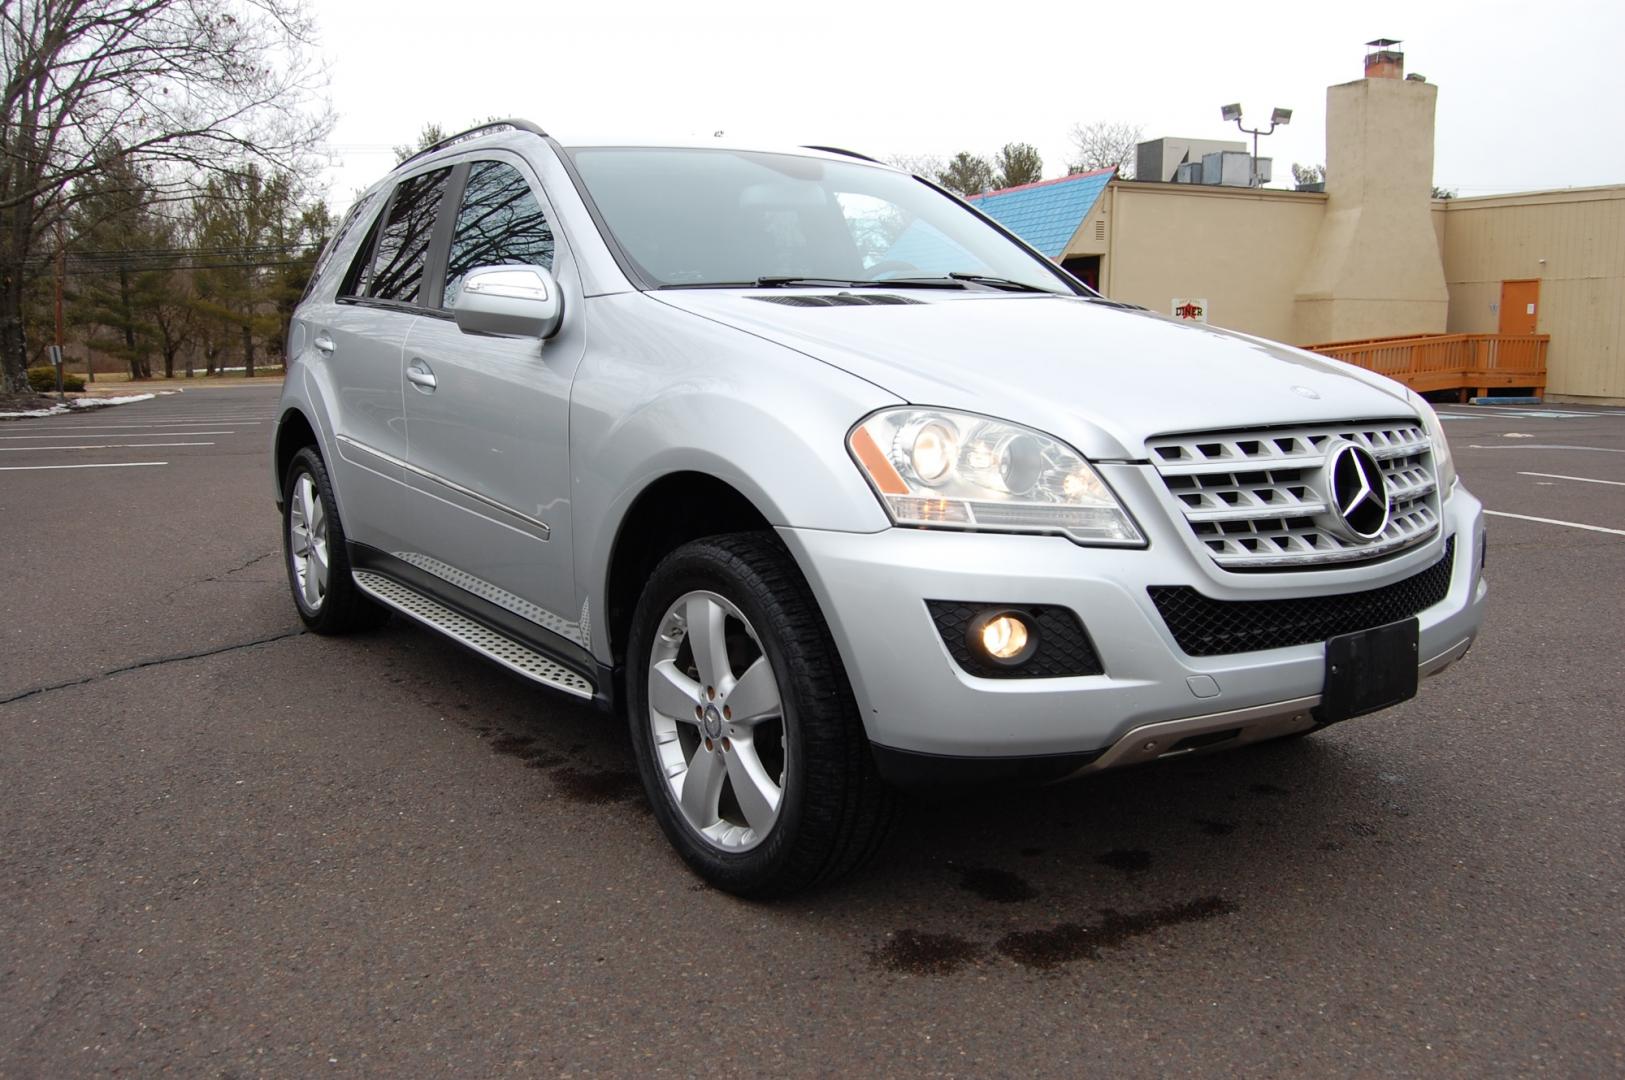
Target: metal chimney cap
x: 1383, y: 43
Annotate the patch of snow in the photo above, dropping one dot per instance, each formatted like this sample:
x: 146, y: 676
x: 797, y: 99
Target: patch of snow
x: 85, y: 403
x: 96, y: 403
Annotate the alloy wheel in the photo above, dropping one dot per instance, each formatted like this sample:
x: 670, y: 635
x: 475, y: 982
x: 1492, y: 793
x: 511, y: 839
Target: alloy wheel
x: 717, y: 721
x: 307, y: 534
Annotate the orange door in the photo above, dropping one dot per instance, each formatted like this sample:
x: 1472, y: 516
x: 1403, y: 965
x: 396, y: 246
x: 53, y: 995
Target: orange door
x: 1520, y: 300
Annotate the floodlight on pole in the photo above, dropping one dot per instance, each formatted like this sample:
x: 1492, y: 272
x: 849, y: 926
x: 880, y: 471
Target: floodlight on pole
x: 1277, y: 118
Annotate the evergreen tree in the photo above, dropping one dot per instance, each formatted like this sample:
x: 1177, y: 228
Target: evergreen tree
x: 1018, y: 163
x: 113, y: 283
x: 248, y: 230
x: 966, y: 174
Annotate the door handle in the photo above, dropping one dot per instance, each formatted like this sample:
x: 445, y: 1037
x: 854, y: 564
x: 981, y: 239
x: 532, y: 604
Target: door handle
x: 420, y: 376
x: 324, y: 343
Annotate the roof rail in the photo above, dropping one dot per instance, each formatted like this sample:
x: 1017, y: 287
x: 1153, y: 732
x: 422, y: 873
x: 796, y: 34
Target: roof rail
x: 479, y: 129
x: 844, y: 153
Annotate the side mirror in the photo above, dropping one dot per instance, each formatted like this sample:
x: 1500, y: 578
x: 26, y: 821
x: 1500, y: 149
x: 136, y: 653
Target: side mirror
x: 509, y: 301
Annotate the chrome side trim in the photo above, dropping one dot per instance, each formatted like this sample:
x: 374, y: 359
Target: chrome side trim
x: 467, y: 493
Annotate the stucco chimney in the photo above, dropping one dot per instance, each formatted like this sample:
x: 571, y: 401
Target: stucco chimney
x: 1375, y: 269
x: 1383, y: 60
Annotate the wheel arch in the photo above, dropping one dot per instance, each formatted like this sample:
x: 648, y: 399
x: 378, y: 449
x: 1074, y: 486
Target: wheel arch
x: 293, y: 433
x: 669, y: 512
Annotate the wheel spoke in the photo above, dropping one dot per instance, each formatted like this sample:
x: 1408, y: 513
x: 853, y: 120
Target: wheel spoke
x: 306, y: 492
x: 755, y: 697
x: 705, y: 635
x: 673, y: 694
x: 318, y: 517
x: 318, y: 564
x: 702, y: 787
x: 311, y: 586
x: 757, y: 794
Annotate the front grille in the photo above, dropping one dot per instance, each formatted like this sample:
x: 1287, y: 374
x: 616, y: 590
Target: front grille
x: 838, y: 300
x: 1064, y: 648
x: 1257, y: 500
x: 1204, y: 626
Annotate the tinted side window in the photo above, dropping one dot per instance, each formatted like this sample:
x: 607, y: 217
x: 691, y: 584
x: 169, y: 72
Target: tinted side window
x: 499, y: 222
x: 403, y: 242
x: 357, y: 214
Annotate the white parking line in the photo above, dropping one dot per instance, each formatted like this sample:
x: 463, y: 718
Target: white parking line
x: 116, y: 434
x: 195, y: 421
x: 1529, y: 410
x: 1555, y: 521
x: 101, y: 465
x: 99, y: 446
x: 1581, y: 479
x: 1545, y: 446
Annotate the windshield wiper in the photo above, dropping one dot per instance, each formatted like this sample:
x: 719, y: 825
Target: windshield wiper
x: 955, y: 279
x: 1000, y: 282
x: 848, y: 283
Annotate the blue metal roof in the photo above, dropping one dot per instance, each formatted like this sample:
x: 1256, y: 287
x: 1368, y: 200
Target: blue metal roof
x: 1048, y: 213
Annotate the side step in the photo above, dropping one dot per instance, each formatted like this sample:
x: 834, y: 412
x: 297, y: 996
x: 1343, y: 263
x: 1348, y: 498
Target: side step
x: 470, y: 634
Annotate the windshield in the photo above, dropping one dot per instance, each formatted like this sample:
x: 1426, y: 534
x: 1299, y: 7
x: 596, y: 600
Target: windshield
x: 690, y: 218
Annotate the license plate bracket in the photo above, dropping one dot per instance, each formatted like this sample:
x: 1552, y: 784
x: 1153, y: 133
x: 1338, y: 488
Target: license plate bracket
x: 1370, y: 670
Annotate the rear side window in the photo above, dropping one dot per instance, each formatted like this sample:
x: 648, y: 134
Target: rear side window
x: 500, y: 221
x: 401, y: 249
x: 324, y: 260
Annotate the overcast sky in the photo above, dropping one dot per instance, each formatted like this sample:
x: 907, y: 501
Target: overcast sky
x: 1529, y: 92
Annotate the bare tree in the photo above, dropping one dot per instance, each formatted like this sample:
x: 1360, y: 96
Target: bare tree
x: 431, y: 134
x: 171, y: 88
x: 927, y: 165
x: 1104, y: 144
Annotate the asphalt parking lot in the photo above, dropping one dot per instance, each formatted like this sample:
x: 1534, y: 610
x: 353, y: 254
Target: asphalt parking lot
x: 231, y: 849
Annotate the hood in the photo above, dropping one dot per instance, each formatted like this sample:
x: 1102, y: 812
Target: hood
x: 1101, y: 377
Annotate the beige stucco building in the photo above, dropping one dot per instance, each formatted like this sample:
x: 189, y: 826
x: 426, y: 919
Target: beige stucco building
x: 1375, y: 255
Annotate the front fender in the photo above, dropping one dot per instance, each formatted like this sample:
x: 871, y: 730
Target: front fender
x: 667, y: 391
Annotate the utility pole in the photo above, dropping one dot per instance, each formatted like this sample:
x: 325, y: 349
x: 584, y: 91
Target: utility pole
x: 61, y: 269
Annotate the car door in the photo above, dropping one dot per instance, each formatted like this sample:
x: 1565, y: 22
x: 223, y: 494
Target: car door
x: 358, y: 342
x: 488, y: 417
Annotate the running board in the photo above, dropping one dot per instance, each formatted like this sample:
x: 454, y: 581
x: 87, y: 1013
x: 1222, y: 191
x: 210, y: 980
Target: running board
x: 472, y: 635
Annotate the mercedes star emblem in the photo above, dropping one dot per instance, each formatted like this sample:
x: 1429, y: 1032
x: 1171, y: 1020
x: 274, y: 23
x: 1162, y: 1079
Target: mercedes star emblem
x: 1357, y: 491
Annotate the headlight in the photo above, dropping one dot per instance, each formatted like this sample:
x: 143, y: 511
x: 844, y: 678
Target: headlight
x: 952, y: 470
x: 1442, y: 463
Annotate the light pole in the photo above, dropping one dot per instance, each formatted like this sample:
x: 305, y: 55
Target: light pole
x: 1278, y: 118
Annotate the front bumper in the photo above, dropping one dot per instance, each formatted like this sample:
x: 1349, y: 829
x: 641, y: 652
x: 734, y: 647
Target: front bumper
x: 1152, y: 697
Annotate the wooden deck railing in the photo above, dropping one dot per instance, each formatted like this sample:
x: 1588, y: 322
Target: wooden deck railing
x: 1464, y: 362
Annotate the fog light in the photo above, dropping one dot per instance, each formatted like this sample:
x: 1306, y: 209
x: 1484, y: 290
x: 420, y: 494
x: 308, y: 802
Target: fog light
x: 1004, y: 636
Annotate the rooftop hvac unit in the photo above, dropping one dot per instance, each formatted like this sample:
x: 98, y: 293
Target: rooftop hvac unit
x: 1228, y: 168
x: 1189, y: 172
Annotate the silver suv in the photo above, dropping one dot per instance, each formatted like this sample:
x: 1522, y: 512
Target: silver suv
x: 829, y: 484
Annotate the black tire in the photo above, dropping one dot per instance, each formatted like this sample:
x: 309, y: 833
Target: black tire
x: 342, y: 609
x: 835, y: 811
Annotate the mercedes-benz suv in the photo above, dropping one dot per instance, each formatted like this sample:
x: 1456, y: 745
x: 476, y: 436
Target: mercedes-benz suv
x: 827, y: 484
